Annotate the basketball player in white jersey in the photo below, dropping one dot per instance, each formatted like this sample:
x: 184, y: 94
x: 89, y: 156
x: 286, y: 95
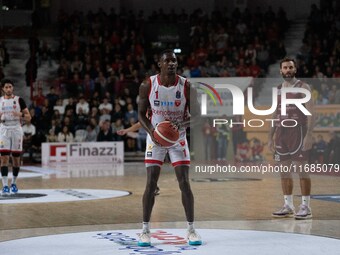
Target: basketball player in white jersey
x: 168, y: 96
x: 13, y: 110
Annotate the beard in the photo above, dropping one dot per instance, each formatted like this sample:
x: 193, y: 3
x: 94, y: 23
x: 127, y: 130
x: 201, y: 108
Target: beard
x: 288, y: 77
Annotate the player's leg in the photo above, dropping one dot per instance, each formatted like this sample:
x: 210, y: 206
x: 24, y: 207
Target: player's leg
x: 287, y: 185
x: 301, y: 157
x: 17, y: 144
x: 5, y: 152
x: 16, y: 168
x: 305, y: 211
x: 305, y: 184
x: 154, y: 157
x: 180, y: 158
x: 153, y: 173
x: 287, y: 182
x: 282, y: 156
x: 4, y: 172
x: 182, y: 174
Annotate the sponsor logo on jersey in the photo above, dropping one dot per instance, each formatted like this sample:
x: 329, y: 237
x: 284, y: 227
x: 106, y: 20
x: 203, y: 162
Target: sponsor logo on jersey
x: 156, y: 102
x: 149, y: 154
x: 178, y: 94
x: 167, y: 103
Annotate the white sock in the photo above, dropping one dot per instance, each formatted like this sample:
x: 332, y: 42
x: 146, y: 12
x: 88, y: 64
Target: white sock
x: 289, y: 200
x: 190, y: 226
x: 146, y: 226
x: 305, y: 200
x: 14, y: 180
x: 4, y: 181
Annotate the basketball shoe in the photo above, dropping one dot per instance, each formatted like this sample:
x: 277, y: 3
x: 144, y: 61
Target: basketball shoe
x: 194, y: 238
x: 144, y: 239
x: 157, y: 191
x: 304, y: 213
x: 14, y: 188
x: 5, y: 191
x: 284, y: 212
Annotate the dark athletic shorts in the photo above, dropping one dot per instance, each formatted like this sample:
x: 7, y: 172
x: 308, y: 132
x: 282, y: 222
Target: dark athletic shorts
x: 288, y: 144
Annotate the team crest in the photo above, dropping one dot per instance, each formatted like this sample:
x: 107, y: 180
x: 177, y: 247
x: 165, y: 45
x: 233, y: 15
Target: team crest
x: 182, y: 143
x: 178, y: 94
x: 177, y: 102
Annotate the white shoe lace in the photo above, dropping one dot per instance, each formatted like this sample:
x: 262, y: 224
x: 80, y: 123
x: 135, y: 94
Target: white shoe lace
x: 144, y: 237
x: 304, y: 210
x: 194, y: 236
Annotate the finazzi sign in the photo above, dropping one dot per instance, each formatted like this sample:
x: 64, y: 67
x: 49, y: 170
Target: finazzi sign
x: 101, y: 152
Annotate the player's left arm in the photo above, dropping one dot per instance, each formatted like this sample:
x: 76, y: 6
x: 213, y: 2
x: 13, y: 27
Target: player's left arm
x: 24, y: 114
x: 193, y: 106
x: 307, y: 141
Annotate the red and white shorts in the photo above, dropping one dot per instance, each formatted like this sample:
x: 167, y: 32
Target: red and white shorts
x: 11, y: 139
x: 179, y: 153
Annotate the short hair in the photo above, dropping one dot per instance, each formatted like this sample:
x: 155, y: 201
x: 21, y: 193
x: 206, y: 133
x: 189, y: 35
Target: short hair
x: 4, y: 81
x: 287, y: 59
x: 167, y: 51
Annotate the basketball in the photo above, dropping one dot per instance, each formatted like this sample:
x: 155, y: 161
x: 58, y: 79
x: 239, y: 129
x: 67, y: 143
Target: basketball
x: 166, y: 133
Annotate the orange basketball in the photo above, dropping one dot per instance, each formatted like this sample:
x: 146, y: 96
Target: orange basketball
x: 166, y: 134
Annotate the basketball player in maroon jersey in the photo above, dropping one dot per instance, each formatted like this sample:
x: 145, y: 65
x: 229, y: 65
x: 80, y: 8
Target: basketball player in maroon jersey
x: 292, y: 144
x: 168, y: 96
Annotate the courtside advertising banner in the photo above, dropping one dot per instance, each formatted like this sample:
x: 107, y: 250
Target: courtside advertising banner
x: 96, y: 152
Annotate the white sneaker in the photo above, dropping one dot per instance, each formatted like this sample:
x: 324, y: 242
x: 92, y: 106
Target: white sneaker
x: 144, y: 239
x: 304, y: 213
x: 194, y: 238
x: 284, y: 212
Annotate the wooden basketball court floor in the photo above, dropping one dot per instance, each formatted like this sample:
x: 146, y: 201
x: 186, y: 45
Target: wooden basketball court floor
x: 220, y: 203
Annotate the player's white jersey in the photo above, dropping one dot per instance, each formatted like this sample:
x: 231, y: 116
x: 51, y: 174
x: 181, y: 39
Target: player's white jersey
x: 167, y: 103
x: 7, y: 107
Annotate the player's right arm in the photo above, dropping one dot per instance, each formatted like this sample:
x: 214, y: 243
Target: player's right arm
x: 143, y: 105
x: 271, y: 133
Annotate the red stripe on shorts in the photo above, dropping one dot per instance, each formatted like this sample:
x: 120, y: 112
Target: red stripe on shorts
x: 153, y: 161
x: 182, y: 162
